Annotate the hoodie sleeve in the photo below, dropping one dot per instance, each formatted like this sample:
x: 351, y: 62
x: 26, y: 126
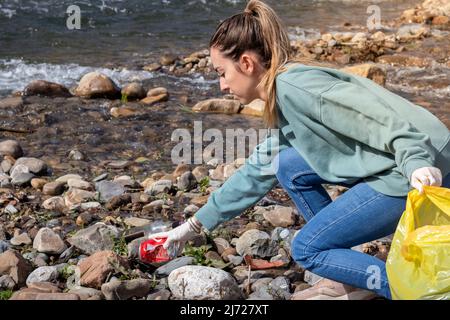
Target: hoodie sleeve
x: 247, y: 185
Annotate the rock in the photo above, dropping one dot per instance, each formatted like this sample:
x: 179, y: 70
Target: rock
x: 22, y: 179
x: 369, y: 71
x: 47, y: 287
x: 20, y: 239
x: 218, y: 173
x: 162, y: 294
x: 53, y: 188
x: 123, y: 290
x: 16, y: 266
x: 378, y: 36
x: 11, y: 148
x: 411, y: 32
x: 5, y: 181
x: 76, y: 155
x: 166, y: 269
x: 186, y: 182
x: 200, y: 172
x: 11, y: 102
x: 67, y: 177
x: 97, y: 237
x: 97, y: 85
x: 280, y: 216
x: 154, y: 99
x: 191, y: 209
x: 256, y: 243
x: 43, y: 274
x: 124, y: 112
x: 95, y: 269
x: 218, y: 105
x: 221, y: 245
x: 6, y: 165
x: 54, y: 204
x: 154, y: 206
x: 87, y: 293
x: 35, y: 295
x: 440, y: 20
x: 118, y: 201
x: 437, y: 7
x: 280, y: 288
x: 136, y: 222
x: 160, y: 186
x: 404, y: 60
x: 125, y: 181
x: 133, y: 91
x: 34, y: 165
x: 84, y: 219
x: 359, y: 37
x: 201, y: 283
x: 152, y: 67
x: 157, y: 92
x: 241, y: 273
x: 4, y: 246
x: 90, y: 205
x: 48, y: 241
x: 79, y: 184
x: 38, y: 183
x: 167, y: 59
x: 109, y: 189
x: 254, y: 108
x: 45, y: 88
x: 76, y: 196
x: 6, y: 282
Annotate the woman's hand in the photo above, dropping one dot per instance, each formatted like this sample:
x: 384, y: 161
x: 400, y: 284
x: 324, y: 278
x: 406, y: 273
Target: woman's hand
x: 428, y: 176
x: 177, y: 238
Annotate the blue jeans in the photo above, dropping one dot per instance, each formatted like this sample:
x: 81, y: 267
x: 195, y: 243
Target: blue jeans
x: 361, y: 214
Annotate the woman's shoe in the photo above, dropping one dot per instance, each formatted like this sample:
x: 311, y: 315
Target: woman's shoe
x: 327, y: 289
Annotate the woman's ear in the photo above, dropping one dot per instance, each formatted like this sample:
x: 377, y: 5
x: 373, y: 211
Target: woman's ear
x: 247, y: 63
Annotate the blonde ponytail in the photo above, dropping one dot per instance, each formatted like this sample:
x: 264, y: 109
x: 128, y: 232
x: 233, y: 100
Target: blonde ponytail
x: 259, y: 29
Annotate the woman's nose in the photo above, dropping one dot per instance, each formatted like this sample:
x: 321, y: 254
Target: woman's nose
x: 223, y: 86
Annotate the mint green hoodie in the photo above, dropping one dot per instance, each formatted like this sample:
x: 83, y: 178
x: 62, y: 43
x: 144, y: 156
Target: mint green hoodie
x: 347, y: 128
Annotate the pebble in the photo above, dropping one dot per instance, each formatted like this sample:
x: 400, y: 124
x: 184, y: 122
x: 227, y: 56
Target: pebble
x: 11, y: 148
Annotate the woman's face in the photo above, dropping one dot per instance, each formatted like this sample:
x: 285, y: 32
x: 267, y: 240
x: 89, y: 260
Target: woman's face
x: 239, y: 78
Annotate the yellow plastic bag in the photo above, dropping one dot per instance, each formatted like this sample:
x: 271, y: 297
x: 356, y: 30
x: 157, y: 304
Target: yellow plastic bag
x: 418, y: 264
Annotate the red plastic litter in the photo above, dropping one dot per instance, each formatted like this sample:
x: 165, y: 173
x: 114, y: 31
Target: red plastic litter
x: 152, y: 251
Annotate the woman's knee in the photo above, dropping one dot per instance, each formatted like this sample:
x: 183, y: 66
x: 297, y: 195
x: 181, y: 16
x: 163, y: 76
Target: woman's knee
x: 302, y: 252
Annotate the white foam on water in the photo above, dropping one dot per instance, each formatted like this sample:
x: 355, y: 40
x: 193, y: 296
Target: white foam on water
x: 15, y: 74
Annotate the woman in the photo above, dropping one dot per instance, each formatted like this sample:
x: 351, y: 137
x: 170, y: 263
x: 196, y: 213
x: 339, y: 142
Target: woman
x: 335, y: 128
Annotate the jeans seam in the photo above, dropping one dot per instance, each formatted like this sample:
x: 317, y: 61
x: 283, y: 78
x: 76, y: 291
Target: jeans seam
x: 338, y: 220
x: 291, y: 185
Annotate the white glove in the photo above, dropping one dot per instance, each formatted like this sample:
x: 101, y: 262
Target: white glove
x: 177, y: 238
x: 428, y: 176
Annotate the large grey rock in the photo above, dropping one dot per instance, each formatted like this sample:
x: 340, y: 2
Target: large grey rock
x: 160, y: 186
x: 43, y: 274
x: 256, y: 243
x: 199, y: 283
x: 109, y: 189
x: 166, y: 269
x: 22, y: 179
x: 34, y: 165
x: 122, y: 290
x: 95, y: 238
x: 48, y: 241
x: 11, y: 148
